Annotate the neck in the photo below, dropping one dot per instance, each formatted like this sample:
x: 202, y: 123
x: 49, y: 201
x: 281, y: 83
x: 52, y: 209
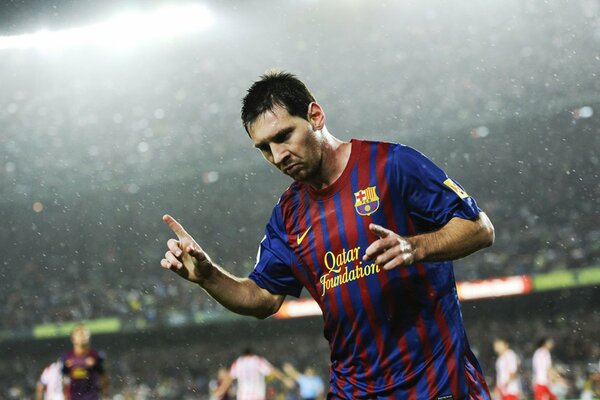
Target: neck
x: 79, y: 349
x: 334, y: 159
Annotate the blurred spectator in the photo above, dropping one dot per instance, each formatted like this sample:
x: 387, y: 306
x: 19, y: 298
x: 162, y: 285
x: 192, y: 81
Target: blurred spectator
x: 310, y: 385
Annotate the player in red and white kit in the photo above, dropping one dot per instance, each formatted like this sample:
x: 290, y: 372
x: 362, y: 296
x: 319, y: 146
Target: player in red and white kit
x: 543, y: 373
x: 508, y: 382
x: 250, y: 372
x: 50, y: 385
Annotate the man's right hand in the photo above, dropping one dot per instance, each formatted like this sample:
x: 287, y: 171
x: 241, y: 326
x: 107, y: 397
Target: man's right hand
x: 185, y: 256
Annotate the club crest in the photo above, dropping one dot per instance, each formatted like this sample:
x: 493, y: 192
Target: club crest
x: 366, y: 201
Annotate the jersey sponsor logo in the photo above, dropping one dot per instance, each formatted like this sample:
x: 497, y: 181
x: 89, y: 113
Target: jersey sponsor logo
x: 338, y: 269
x: 456, y: 189
x: 299, y: 238
x: 79, y: 373
x: 366, y: 201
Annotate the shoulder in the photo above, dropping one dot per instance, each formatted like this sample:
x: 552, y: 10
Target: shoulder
x: 399, y: 153
x: 382, y: 147
x: 290, y: 201
x: 290, y: 196
x: 98, y: 354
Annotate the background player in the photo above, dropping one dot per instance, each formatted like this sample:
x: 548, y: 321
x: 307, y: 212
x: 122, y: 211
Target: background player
x: 50, y: 385
x: 544, y: 375
x: 310, y: 385
x: 250, y: 372
x: 83, y: 369
x: 508, y: 382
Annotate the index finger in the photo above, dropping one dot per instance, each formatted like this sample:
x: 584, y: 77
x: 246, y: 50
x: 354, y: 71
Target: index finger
x: 379, y: 230
x: 175, y: 226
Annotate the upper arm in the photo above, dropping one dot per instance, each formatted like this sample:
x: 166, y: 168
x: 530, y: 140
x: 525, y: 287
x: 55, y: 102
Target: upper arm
x: 433, y: 199
x: 275, y: 261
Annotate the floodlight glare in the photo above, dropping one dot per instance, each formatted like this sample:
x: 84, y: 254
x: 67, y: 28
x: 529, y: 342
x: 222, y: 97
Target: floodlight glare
x: 124, y: 30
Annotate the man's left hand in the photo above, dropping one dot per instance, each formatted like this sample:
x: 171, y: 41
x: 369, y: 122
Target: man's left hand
x: 390, y: 250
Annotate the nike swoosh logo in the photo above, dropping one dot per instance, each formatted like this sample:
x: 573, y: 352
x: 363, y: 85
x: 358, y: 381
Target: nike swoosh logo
x: 299, y: 238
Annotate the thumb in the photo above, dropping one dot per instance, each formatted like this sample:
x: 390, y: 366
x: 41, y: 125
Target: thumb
x: 380, y: 230
x: 193, y: 251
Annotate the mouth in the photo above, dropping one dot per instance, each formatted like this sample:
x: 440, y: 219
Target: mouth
x: 290, y: 169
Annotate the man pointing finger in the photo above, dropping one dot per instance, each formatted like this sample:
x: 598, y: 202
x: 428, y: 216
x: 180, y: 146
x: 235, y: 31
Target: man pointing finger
x: 369, y: 229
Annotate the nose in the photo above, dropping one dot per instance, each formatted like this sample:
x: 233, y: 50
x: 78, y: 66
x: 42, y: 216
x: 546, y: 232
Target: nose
x: 279, y: 153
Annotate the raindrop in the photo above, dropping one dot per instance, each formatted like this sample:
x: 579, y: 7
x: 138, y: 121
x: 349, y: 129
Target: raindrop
x: 38, y: 207
x: 143, y: 147
x: 159, y: 113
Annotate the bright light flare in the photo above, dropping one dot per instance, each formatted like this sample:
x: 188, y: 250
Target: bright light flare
x: 124, y: 30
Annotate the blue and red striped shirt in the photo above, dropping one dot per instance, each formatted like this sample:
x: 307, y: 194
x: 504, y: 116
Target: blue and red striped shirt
x: 394, y: 334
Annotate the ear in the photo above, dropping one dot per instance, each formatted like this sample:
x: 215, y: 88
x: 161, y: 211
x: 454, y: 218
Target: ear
x: 316, y: 116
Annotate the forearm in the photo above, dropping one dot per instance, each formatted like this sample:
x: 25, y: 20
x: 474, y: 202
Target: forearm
x: 223, y: 387
x: 457, y: 239
x: 39, y: 391
x: 104, y: 384
x: 240, y: 295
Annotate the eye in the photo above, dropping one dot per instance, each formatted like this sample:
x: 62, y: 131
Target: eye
x: 263, y: 147
x: 283, y: 136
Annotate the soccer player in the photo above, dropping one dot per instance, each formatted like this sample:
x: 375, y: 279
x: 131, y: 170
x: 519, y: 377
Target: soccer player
x: 250, y: 371
x: 369, y: 229
x: 310, y: 385
x: 50, y: 385
x: 83, y: 369
x: 508, y: 383
x: 543, y: 372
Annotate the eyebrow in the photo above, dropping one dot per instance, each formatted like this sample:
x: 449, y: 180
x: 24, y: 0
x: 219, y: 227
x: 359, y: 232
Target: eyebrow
x: 281, y: 132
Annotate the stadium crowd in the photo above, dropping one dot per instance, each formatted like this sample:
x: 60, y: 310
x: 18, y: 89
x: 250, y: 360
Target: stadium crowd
x: 140, y: 371
x: 91, y: 259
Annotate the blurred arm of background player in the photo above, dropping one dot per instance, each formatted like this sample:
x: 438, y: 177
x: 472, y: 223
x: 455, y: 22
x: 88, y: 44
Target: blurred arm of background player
x: 104, y: 385
x: 240, y: 295
x: 39, y: 391
x: 224, y: 386
x: 289, y: 383
x: 228, y: 381
x: 291, y: 371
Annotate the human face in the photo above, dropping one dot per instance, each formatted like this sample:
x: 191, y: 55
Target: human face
x: 500, y: 346
x: 290, y: 143
x: 80, y: 337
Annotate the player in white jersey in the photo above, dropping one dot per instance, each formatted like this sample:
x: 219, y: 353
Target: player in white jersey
x: 543, y: 373
x: 508, y: 382
x: 250, y: 372
x: 50, y: 385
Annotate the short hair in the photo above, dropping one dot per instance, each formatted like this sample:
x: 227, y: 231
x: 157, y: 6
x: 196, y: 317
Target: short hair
x: 276, y: 88
x: 542, y: 341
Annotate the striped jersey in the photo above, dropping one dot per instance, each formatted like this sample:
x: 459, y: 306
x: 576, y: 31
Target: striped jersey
x: 250, y: 372
x: 541, y: 362
x: 507, y: 365
x: 51, y: 378
x: 394, y: 334
x: 83, y: 372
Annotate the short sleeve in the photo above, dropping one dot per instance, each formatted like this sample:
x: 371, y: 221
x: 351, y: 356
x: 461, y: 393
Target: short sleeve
x: 44, y: 377
x: 100, y: 363
x: 513, y: 363
x: 65, y: 369
x: 432, y: 197
x: 265, y: 366
x: 274, y: 260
